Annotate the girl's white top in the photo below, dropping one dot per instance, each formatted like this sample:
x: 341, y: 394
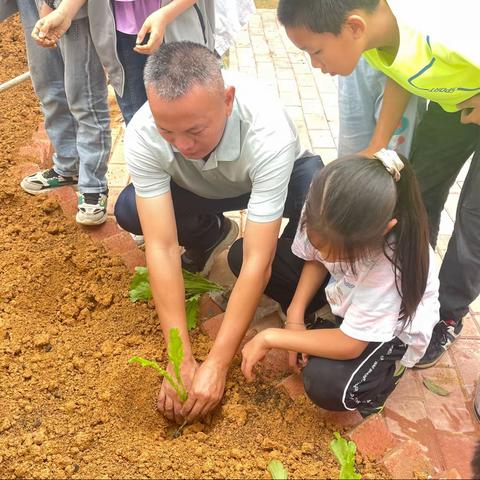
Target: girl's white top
x: 369, y: 302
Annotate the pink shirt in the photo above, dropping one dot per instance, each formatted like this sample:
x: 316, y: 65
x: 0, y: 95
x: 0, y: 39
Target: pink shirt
x: 130, y: 14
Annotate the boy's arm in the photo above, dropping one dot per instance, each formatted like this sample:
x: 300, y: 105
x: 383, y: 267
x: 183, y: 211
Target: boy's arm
x: 395, y: 101
x: 157, y: 22
x: 48, y: 30
x: 259, y: 247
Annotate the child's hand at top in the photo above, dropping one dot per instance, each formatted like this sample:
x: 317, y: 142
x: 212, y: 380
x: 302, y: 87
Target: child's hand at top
x: 155, y: 24
x: 471, y: 110
x: 51, y: 26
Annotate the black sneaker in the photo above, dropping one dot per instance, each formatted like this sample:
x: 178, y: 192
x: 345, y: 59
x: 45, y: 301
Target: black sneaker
x: 202, y: 261
x: 444, y: 334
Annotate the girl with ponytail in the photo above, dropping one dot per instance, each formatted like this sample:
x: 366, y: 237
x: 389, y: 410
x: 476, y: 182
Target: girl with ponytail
x: 362, y: 247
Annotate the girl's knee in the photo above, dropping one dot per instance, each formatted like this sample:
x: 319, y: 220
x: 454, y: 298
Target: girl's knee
x: 323, y: 386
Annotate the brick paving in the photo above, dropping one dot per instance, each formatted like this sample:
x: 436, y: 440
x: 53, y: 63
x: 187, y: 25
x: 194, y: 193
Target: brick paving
x: 419, y: 432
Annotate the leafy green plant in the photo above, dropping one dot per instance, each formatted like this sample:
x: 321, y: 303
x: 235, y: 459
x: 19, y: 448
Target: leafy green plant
x: 175, y: 355
x: 345, y: 452
x: 195, y: 286
x: 434, y: 388
x: 277, y: 470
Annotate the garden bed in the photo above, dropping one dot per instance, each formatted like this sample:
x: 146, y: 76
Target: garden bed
x: 71, y: 406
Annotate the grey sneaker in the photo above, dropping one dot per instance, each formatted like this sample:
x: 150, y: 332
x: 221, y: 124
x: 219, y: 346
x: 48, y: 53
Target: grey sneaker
x: 45, y: 181
x: 92, y: 208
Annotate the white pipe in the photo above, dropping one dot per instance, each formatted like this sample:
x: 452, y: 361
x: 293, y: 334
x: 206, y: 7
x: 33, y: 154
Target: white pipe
x: 14, y: 81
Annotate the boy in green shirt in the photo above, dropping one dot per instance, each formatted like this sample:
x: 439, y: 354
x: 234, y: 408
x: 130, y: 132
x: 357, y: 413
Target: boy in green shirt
x: 425, y: 48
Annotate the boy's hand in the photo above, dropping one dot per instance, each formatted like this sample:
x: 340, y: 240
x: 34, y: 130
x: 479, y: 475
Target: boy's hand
x: 470, y: 110
x: 155, y: 24
x: 51, y: 26
x: 168, y: 402
x: 253, y: 352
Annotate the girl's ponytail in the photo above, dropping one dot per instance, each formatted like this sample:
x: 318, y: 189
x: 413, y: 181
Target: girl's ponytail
x: 411, y: 250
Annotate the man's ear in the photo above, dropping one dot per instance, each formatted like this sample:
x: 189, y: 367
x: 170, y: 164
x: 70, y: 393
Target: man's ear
x: 229, y: 99
x: 356, y: 25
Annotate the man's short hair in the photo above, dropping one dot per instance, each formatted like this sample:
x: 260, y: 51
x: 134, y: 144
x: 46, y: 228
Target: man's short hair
x: 178, y: 66
x: 320, y: 16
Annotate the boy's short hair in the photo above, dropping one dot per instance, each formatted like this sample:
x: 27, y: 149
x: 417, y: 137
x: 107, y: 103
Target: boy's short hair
x: 320, y: 16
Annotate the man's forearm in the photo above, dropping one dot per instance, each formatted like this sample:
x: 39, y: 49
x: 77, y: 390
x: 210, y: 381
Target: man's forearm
x: 241, y: 308
x: 168, y: 290
x: 395, y: 101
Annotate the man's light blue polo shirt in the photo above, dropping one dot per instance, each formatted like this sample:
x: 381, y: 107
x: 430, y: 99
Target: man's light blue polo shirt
x: 256, y: 154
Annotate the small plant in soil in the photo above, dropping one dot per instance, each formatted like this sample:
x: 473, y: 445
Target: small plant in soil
x: 175, y: 355
x: 345, y: 452
x: 195, y: 286
x: 277, y: 470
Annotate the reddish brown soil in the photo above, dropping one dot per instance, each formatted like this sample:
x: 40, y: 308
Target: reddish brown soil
x: 70, y: 406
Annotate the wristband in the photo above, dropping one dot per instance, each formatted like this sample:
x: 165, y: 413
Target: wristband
x: 50, y: 3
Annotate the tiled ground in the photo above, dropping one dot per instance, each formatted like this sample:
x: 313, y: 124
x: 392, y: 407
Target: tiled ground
x: 443, y: 427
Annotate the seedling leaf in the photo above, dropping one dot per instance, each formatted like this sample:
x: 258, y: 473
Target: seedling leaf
x: 277, y: 470
x: 140, y: 286
x: 195, y: 285
x: 434, y: 388
x: 175, y: 355
x: 345, y: 452
x: 150, y: 363
x: 192, y: 307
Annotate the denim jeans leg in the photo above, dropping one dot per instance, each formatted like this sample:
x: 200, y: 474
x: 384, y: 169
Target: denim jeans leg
x: 300, y: 180
x: 86, y: 89
x: 134, y: 95
x: 47, y: 72
x: 360, y: 97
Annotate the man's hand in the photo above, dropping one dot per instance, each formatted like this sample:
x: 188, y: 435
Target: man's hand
x: 206, y: 390
x: 168, y: 402
x: 470, y: 110
x: 51, y: 26
x: 155, y: 24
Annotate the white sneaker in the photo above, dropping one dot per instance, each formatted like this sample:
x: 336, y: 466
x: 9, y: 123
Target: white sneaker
x: 92, y: 208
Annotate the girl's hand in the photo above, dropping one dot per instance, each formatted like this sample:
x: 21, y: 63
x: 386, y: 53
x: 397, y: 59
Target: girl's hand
x: 51, y: 26
x: 155, y: 24
x: 293, y: 361
x: 253, y: 352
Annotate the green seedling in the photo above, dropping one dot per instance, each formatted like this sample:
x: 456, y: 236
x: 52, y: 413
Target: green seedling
x: 434, y: 388
x: 175, y: 356
x: 195, y: 286
x: 345, y: 452
x: 277, y: 470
